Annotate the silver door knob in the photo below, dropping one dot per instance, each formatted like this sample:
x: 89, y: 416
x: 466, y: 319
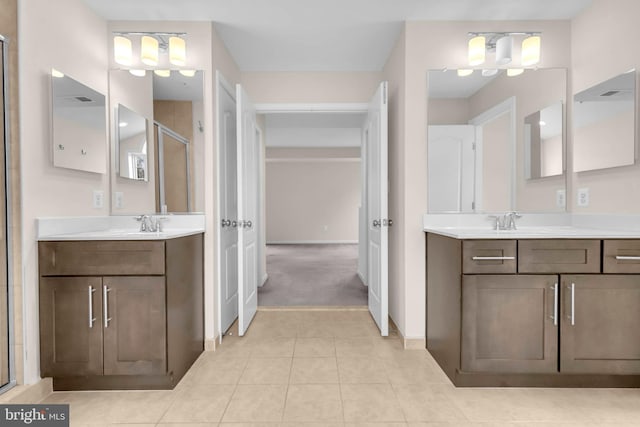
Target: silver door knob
x: 226, y: 223
x: 376, y: 223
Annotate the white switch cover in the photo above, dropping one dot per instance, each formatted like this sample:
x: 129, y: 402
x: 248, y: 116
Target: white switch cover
x: 561, y: 198
x: 98, y: 199
x: 583, y: 197
x: 119, y: 202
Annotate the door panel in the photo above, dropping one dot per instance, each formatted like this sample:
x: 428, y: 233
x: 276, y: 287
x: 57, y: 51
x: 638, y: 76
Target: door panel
x: 508, y: 323
x: 228, y: 207
x: 247, y: 181
x: 375, y: 138
x: 71, y: 344
x: 600, y: 314
x: 135, y: 335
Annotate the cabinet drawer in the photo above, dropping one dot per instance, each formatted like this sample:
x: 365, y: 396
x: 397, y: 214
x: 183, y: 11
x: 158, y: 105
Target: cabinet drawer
x: 559, y: 256
x: 621, y: 256
x: 489, y: 256
x: 101, y: 258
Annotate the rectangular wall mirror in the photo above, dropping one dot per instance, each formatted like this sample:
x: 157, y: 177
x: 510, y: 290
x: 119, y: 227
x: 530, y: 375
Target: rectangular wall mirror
x: 79, y: 121
x: 543, y: 142
x: 157, y: 161
x: 478, y: 158
x: 604, y: 124
x: 131, y: 147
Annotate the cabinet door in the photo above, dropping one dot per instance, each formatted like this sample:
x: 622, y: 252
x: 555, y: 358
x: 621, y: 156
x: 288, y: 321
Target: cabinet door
x: 600, y: 330
x: 509, y: 323
x: 70, y: 326
x: 134, y: 325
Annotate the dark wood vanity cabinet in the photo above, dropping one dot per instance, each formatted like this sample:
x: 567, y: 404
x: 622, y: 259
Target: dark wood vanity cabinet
x: 534, y: 312
x: 132, y: 317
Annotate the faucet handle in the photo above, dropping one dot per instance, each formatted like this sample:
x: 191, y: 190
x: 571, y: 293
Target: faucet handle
x: 159, y: 223
x: 497, y: 221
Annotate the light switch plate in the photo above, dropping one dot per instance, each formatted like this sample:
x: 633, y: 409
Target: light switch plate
x: 98, y: 199
x: 119, y: 200
x: 583, y: 197
x: 561, y: 198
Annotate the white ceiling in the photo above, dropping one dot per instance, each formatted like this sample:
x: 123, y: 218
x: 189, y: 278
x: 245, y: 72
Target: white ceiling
x: 324, y: 35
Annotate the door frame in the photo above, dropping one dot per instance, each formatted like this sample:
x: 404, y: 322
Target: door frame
x: 221, y: 84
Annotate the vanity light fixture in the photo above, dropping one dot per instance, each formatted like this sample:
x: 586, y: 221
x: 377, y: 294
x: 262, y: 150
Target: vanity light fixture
x: 138, y: 73
x: 162, y: 73
x: 123, y: 124
x: 149, y: 50
x: 477, y: 50
x: 464, y: 72
x: 512, y: 72
x: 122, y: 51
x: 152, y: 46
x: 188, y: 73
x: 57, y: 74
x: 177, y: 51
x: 531, y: 50
x: 501, y: 44
x: 488, y: 72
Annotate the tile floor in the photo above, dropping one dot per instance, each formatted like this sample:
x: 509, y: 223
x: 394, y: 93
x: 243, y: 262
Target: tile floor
x: 330, y: 368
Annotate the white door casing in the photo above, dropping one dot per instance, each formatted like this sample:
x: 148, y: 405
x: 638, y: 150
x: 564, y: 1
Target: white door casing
x: 247, y: 181
x: 227, y: 205
x: 375, y: 131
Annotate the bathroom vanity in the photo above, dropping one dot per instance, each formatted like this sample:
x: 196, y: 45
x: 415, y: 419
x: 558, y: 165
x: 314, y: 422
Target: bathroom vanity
x: 120, y: 310
x: 556, y: 309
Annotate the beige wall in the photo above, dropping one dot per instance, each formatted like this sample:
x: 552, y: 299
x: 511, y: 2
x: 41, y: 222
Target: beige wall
x: 310, y: 87
x: 602, y: 48
x: 453, y: 111
x: 312, y: 196
x: 50, y: 37
x: 496, y: 174
x: 436, y: 45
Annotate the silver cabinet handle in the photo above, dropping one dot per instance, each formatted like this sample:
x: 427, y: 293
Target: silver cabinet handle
x: 555, y: 304
x: 493, y: 258
x: 105, y: 305
x: 573, y: 304
x: 628, y: 257
x: 91, y: 318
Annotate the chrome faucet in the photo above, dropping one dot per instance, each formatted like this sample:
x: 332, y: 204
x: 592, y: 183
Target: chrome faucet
x: 151, y: 224
x: 506, y: 221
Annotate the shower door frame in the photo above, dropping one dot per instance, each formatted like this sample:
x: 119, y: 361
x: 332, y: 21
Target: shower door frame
x: 8, y: 216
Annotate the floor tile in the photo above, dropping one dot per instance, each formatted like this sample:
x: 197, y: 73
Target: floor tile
x: 267, y: 371
x: 199, y: 404
x: 355, y: 347
x: 274, y: 347
x: 370, y: 402
x: 427, y: 403
x: 314, y: 370
x: 307, y: 403
x: 251, y: 403
x: 314, y: 347
x: 361, y: 370
x: 221, y: 370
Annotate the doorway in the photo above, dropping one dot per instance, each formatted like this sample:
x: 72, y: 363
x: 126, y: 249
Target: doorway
x: 313, y: 197
x: 372, y: 217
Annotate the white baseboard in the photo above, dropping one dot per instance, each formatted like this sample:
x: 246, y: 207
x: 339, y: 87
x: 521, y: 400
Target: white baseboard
x: 210, y: 345
x: 31, y: 393
x: 312, y: 242
x: 364, y: 282
x: 264, y: 279
x: 414, y: 343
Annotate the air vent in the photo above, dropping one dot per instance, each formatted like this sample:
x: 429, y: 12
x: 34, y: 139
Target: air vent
x: 83, y: 99
x: 610, y: 93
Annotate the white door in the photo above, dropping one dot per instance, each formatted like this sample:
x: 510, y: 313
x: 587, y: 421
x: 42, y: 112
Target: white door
x: 247, y: 176
x: 228, y: 205
x: 451, y: 168
x: 375, y: 138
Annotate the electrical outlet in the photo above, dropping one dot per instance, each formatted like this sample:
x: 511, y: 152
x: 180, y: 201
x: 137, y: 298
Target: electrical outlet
x: 561, y: 198
x: 583, y: 197
x: 98, y: 199
x: 119, y: 200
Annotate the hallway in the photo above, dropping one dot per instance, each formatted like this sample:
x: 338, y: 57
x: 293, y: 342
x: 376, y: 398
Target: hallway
x: 312, y: 275
x: 330, y: 368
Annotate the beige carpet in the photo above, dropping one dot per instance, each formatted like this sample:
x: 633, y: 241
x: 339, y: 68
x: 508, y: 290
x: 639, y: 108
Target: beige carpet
x: 312, y: 275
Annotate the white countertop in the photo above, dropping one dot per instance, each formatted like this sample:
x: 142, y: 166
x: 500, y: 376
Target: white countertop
x: 536, y: 226
x: 116, y: 228
x: 122, y: 235
x: 551, y: 232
